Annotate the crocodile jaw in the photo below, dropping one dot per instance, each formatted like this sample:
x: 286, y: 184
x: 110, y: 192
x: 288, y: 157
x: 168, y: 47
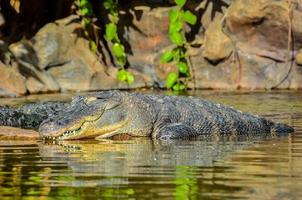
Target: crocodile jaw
x: 89, y: 130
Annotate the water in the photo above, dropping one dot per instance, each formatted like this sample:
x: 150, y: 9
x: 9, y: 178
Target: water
x: 258, y: 167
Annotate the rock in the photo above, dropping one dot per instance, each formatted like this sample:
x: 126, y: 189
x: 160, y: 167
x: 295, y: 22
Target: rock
x: 298, y: 57
x: 224, y: 75
x: 52, y: 42
x: 35, y: 86
x: 247, y: 46
x: 217, y: 45
x: 5, y: 54
x: 206, y: 17
x: 261, y: 73
x: 27, y: 61
x: 74, y: 76
x: 140, y: 80
x: 72, y: 64
x: 261, y: 27
x: 245, y: 71
x: 11, y: 82
x: 147, y: 36
x: 69, y: 60
x: 57, y: 59
x: 2, y: 20
x: 211, y: 11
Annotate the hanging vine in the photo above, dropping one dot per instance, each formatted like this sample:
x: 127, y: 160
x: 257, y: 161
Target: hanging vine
x: 178, y: 17
x: 117, y: 48
x: 85, y: 11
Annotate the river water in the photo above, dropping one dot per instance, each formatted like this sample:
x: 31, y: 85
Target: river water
x: 248, y: 167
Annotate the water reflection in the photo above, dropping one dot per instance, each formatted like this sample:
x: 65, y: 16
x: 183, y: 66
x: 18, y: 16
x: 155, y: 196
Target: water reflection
x: 139, y: 167
x: 139, y: 156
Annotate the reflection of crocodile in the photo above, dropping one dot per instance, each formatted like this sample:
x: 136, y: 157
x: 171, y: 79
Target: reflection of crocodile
x: 101, y: 156
x: 111, y: 113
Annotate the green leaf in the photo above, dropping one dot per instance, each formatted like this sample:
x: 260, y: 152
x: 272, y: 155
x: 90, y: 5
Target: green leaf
x: 83, y: 3
x: 108, y: 5
x: 130, y: 78
x: 175, y: 26
x: 177, y: 38
x: 171, y: 79
x: 182, y: 54
x: 179, y: 87
x: 182, y: 67
x: 86, y: 22
x: 85, y: 11
x: 111, y: 31
x: 176, y: 52
x: 189, y: 17
x: 166, y: 57
x: 180, y: 3
x: 118, y: 50
x: 122, y: 75
x: 121, y: 60
x: 173, y: 15
x: 93, y: 46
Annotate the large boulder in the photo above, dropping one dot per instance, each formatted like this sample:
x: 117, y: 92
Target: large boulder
x: 266, y: 37
x: 223, y: 75
x: 217, y: 45
x: 26, y: 58
x: 58, y: 58
x: 2, y: 20
x: 253, y: 44
x: 146, y: 35
x: 11, y: 82
x: 265, y: 27
x: 298, y: 57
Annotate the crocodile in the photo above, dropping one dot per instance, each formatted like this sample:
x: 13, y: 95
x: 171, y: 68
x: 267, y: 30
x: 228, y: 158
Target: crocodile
x: 112, y: 113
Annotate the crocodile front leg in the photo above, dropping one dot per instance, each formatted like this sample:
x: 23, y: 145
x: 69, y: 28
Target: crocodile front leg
x: 175, y: 131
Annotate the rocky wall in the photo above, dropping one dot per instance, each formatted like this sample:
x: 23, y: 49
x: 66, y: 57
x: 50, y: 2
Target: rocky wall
x: 239, y: 44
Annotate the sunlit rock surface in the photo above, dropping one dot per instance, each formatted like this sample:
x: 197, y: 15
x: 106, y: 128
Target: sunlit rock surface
x: 239, y: 44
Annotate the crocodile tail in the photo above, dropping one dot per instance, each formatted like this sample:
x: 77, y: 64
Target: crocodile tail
x: 280, y: 128
x: 15, y: 118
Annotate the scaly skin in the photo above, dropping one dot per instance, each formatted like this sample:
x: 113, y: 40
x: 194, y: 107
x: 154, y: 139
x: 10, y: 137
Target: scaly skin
x: 111, y: 113
x: 29, y: 116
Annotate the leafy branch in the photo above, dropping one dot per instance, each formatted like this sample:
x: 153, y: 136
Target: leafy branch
x: 118, y: 49
x: 178, y: 18
x: 86, y: 13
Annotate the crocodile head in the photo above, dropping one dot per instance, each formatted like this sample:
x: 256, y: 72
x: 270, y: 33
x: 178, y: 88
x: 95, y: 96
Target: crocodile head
x: 101, y: 115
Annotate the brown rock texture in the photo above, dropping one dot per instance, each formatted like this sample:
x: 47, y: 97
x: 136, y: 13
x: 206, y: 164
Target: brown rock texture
x: 266, y: 34
x: 299, y: 57
x: 57, y: 59
x: 236, y: 44
x: 11, y: 82
x: 217, y: 45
